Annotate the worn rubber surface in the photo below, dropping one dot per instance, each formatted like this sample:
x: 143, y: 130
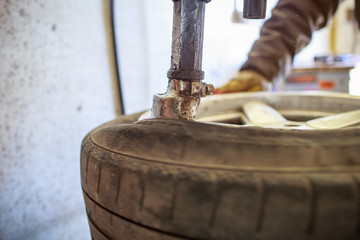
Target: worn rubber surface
x: 172, y: 179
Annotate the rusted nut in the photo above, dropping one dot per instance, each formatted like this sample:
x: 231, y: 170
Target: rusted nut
x: 195, y: 88
x: 210, y: 89
x: 207, y: 89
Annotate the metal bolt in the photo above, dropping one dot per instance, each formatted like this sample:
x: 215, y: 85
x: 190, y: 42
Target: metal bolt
x: 210, y: 89
x: 207, y: 89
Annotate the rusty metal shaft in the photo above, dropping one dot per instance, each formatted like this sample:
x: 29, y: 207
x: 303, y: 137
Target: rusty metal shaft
x: 187, y: 43
x: 185, y: 87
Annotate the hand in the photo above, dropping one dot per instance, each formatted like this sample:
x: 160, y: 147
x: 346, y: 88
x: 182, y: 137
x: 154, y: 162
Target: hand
x: 246, y: 81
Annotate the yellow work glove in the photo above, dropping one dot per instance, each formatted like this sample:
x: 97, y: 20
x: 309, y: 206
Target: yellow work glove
x: 246, y: 81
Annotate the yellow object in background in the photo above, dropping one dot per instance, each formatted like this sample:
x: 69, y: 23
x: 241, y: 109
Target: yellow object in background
x: 245, y: 81
x: 332, y: 35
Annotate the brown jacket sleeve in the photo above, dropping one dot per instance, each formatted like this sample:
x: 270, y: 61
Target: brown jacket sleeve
x: 286, y: 33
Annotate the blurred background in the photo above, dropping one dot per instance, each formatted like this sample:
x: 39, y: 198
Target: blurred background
x: 146, y: 44
x: 59, y: 80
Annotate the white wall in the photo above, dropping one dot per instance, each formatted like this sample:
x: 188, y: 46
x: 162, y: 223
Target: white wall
x: 347, y: 31
x: 143, y: 30
x: 55, y: 86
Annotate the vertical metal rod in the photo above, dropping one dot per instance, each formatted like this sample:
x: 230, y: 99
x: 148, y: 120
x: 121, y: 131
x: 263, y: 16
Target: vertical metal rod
x: 188, y: 31
x: 185, y: 87
x: 109, y: 18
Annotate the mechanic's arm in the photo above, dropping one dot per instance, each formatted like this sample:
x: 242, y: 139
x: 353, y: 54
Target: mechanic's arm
x: 286, y: 33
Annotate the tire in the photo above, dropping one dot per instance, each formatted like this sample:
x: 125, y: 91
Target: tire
x: 172, y: 179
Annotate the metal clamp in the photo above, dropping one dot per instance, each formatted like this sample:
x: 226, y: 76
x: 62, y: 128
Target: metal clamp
x: 185, y: 87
